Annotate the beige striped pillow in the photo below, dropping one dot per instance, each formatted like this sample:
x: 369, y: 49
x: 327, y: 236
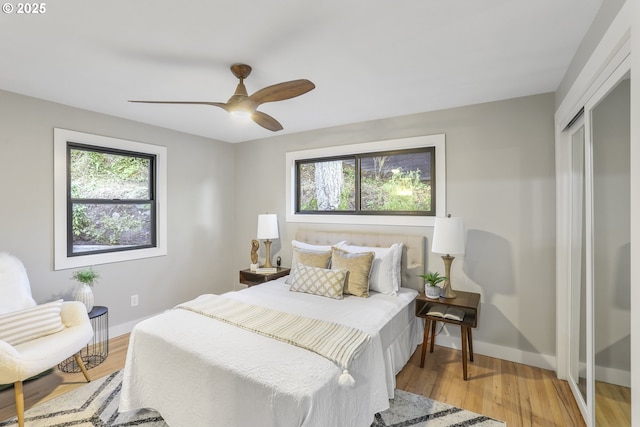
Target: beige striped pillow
x: 26, y: 325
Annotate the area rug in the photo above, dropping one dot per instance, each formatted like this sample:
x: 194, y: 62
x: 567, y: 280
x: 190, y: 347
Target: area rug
x: 96, y: 404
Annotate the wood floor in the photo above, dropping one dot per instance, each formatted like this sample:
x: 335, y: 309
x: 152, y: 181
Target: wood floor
x: 518, y: 394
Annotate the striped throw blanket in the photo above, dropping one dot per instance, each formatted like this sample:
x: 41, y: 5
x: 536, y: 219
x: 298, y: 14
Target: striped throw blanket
x: 338, y: 343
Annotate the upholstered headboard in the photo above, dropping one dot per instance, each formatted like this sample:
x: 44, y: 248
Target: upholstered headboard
x: 413, y: 253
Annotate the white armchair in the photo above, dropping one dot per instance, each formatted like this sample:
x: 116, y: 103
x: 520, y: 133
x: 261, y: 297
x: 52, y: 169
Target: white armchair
x: 34, y: 338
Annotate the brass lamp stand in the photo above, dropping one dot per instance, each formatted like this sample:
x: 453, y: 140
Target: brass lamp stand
x: 267, y: 247
x: 447, y: 291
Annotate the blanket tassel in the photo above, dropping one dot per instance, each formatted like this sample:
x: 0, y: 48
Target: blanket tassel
x: 346, y: 380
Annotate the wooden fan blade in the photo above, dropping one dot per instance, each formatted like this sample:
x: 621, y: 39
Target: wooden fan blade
x: 282, y: 91
x: 215, y: 104
x: 266, y: 121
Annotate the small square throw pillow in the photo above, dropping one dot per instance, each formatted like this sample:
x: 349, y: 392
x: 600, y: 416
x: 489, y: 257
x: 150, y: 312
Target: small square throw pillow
x: 386, y: 276
x: 318, y: 259
x: 359, y: 267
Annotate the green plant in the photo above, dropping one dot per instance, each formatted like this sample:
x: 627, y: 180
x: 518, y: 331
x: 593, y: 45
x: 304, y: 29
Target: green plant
x: 88, y: 276
x: 432, y: 279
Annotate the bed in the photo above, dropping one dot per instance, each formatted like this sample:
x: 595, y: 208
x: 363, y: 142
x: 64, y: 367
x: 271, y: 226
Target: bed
x: 196, y: 370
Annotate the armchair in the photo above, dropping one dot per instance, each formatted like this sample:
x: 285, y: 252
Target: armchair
x: 33, y: 338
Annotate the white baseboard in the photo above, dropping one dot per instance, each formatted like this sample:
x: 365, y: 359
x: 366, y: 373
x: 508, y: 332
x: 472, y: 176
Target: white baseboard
x: 538, y: 360
x: 613, y: 376
x: 125, y: 328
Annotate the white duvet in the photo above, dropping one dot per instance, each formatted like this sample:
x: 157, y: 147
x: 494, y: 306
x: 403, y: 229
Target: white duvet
x: 197, y: 371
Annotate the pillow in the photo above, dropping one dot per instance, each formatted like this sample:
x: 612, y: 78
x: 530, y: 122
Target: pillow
x: 359, y: 267
x: 386, y: 273
x: 316, y: 248
x: 15, y: 291
x: 310, y: 258
x: 26, y: 325
x: 318, y: 281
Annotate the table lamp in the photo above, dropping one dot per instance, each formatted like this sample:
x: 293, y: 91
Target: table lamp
x: 448, y: 238
x: 267, y: 229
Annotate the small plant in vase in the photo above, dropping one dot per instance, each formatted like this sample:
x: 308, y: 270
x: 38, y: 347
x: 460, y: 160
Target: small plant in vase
x: 87, y: 278
x: 431, y: 281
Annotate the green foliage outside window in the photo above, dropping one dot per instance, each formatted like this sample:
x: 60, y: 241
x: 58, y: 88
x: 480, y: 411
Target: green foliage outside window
x: 110, y: 199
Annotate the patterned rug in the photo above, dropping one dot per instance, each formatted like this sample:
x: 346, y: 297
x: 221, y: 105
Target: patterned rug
x: 98, y: 402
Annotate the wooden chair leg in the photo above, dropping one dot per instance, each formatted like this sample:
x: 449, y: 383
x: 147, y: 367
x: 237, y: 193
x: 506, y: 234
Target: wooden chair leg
x: 19, y: 402
x: 82, y: 367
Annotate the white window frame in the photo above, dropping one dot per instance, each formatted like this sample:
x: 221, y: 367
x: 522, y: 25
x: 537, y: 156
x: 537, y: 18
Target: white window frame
x: 437, y: 141
x: 61, y: 259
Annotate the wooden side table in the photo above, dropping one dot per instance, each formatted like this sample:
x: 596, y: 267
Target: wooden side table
x: 469, y: 303
x: 251, y: 278
x: 97, y: 349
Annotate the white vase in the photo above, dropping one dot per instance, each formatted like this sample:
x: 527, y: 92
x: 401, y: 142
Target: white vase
x: 432, y: 291
x: 84, y: 294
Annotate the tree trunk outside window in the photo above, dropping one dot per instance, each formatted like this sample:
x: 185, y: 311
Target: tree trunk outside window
x: 328, y: 176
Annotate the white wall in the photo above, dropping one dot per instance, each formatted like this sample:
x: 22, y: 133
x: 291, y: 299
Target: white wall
x: 500, y: 179
x: 200, y: 210
x: 605, y: 16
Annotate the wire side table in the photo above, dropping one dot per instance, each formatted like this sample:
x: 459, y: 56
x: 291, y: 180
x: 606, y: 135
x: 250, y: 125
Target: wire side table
x: 97, y: 349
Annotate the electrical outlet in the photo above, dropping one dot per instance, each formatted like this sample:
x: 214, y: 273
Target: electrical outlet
x: 134, y: 300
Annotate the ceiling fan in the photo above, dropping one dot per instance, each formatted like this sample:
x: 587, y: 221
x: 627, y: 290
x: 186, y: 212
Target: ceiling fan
x: 243, y: 105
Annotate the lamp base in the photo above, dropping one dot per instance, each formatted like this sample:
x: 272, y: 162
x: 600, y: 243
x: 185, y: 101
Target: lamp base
x: 447, y: 291
x: 267, y: 245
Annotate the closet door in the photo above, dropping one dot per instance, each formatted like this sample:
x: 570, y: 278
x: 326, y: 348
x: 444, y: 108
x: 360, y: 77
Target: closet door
x: 579, y: 376
x: 610, y: 284
x: 599, y: 261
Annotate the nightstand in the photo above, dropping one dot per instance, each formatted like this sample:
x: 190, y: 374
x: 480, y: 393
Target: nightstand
x: 469, y: 303
x: 251, y: 278
x: 97, y: 350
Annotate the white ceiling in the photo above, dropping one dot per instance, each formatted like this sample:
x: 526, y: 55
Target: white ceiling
x: 368, y: 59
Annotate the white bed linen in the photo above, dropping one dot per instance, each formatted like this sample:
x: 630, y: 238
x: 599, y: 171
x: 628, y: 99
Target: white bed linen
x: 197, y: 371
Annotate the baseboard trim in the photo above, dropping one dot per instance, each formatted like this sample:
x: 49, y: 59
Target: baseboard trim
x: 538, y: 360
x: 125, y: 328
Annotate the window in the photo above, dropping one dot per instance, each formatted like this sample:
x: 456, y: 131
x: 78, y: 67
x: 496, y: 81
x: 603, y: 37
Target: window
x: 394, y: 182
x: 110, y: 199
x: 382, y: 183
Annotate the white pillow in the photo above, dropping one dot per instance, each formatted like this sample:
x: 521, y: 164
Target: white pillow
x: 386, y: 275
x: 26, y: 325
x: 317, y: 248
x: 15, y: 291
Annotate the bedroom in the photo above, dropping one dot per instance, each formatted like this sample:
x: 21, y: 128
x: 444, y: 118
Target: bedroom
x: 510, y: 207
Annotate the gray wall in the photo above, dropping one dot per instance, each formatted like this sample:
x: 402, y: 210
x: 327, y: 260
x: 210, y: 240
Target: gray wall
x: 500, y: 179
x: 605, y: 16
x: 200, y: 210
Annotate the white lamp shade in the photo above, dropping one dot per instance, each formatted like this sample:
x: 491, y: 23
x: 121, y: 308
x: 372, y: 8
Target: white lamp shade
x: 448, y: 236
x: 267, y: 226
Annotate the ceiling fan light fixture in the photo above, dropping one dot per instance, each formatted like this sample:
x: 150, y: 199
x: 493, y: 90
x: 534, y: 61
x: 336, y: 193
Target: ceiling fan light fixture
x: 243, y: 106
x: 241, y: 114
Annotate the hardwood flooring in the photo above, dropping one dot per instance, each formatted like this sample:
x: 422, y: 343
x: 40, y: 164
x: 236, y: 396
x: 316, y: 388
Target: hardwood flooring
x: 519, y: 394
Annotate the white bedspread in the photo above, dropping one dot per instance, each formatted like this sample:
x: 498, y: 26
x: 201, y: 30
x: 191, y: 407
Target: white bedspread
x: 197, y: 371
